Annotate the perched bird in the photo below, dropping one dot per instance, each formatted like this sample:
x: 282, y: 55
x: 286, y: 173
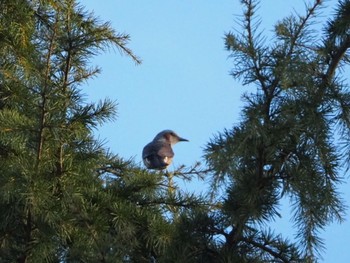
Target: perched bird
x: 158, y: 154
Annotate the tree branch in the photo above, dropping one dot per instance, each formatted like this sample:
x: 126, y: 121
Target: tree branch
x: 336, y: 58
x: 266, y: 249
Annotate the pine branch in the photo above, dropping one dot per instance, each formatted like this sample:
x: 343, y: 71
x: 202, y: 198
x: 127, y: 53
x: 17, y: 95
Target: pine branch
x: 43, y: 93
x: 302, y: 25
x: 186, y: 173
x: 276, y: 255
x: 337, y: 55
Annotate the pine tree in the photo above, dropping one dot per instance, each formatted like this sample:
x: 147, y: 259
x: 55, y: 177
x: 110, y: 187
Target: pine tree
x: 285, y: 146
x: 63, y: 196
x: 55, y: 206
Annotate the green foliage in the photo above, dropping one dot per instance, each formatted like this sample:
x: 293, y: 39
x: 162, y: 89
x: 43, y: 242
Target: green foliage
x: 285, y: 144
x: 65, y: 198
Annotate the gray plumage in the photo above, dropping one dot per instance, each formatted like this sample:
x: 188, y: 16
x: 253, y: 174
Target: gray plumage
x: 158, y: 154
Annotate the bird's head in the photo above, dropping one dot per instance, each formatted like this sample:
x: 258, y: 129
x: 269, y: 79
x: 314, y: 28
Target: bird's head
x: 169, y: 136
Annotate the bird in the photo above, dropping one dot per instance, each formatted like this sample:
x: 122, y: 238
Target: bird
x: 158, y: 154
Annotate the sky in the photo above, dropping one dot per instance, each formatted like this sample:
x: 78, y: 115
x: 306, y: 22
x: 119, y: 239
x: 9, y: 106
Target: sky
x: 184, y: 83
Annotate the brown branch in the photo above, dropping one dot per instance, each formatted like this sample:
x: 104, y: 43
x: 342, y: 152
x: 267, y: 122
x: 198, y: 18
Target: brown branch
x: 256, y: 67
x: 43, y: 95
x: 266, y: 249
x: 310, y: 12
x: 236, y: 234
x: 336, y: 58
x: 167, y: 203
x: 294, y: 39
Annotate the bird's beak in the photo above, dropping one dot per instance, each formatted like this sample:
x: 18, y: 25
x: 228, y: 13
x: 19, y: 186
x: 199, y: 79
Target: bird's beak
x: 182, y: 140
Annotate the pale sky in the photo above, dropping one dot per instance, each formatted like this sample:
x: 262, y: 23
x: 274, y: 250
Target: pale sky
x: 184, y: 83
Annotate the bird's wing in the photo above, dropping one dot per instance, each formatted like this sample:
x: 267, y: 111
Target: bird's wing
x: 157, y: 155
x: 166, y: 151
x: 148, y: 150
x: 160, y: 149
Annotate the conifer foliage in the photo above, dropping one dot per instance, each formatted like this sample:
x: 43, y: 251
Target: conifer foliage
x: 58, y: 201
x: 285, y: 146
x: 65, y: 198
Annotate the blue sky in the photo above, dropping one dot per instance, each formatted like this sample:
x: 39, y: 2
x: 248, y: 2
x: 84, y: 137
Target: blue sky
x: 184, y: 83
